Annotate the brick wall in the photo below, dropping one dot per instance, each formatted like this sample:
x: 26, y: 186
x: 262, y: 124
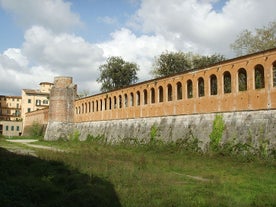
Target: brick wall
x: 253, y: 87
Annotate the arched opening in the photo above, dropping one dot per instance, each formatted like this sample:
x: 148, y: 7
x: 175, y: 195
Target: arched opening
x: 120, y: 101
x: 161, y: 97
x: 114, y: 102
x: 126, y: 101
x: 259, y: 77
x: 101, y: 105
x: 85, y: 107
x: 82, y: 108
x: 189, y: 89
x: 131, y: 99
x: 138, y: 100
x: 93, y: 106
x: 227, y: 82
x: 214, y: 85
x: 200, y: 82
x: 79, y: 109
x: 274, y: 74
x: 179, y: 90
x: 242, y: 79
x: 152, y: 95
x: 76, y: 110
x: 169, y: 90
x: 145, y: 97
x: 110, y: 103
x: 97, y: 105
x: 89, y: 107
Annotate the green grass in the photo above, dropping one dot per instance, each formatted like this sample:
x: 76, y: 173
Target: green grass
x: 166, y: 176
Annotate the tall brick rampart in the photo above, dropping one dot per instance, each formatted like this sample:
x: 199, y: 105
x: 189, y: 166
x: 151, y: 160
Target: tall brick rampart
x: 242, y: 90
x: 242, y: 84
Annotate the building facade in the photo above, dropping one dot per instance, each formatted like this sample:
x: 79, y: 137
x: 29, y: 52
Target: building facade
x: 10, y: 115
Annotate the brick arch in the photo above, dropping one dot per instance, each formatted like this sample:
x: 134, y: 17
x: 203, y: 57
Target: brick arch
x: 242, y: 79
x: 274, y: 73
x: 138, y: 98
x: 152, y: 95
x: 169, y: 92
x: 213, y: 85
x: 179, y: 91
x: 160, y: 94
x: 227, y: 82
x: 259, y: 76
x: 200, y: 87
x: 189, y: 84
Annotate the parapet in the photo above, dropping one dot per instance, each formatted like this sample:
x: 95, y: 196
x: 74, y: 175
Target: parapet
x: 62, y: 81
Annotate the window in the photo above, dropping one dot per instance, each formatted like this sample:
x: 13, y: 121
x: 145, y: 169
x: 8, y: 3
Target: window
x: 120, y: 101
x: 12, y: 128
x: 179, y: 90
x: 45, y: 101
x: 259, y: 77
x: 110, y: 103
x: 93, y: 106
x: 17, y: 128
x: 114, y: 102
x: 274, y: 74
x: 214, y: 85
x: 152, y: 93
x: 85, y: 107
x: 145, y: 97
x: 242, y: 79
x: 29, y: 101
x: 89, y: 107
x: 131, y: 99
x: 169, y: 89
x: 101, y: 105
x: 138, y: 98
x: 126, y: 101
x: 227, y: 82
x: 97, y: 105
x: 189, y: 89
x: 7, y: 128
x: 29, y: 110
x: 160, y: 89
x: 201, y: 87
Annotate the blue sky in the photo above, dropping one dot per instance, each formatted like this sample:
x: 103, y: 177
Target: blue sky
x: 47, y: 38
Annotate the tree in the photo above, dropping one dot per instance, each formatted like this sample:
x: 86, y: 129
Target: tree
x: 117, y: 73
x: 169, y: 63
x: 250, y: 42
x: 199, y: 61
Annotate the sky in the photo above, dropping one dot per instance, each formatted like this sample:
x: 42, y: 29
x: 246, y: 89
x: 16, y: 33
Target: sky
x: 42, y: 39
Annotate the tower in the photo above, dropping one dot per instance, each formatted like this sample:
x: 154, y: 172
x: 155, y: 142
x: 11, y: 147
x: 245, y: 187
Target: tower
x: 61, y: 108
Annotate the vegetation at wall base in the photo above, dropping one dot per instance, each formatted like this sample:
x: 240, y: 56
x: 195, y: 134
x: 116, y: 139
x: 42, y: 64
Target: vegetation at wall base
x: 166, y: 174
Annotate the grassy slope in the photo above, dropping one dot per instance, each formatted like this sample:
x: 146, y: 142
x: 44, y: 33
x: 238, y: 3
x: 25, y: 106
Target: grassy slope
x: 163, y: 177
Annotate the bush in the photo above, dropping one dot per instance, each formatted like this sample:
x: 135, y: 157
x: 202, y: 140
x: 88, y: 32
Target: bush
x: 36, y: 130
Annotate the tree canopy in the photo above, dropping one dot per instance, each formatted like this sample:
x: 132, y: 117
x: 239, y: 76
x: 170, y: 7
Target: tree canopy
x: 250, y: 42
x: 169, y: 63
x: 117, y: 73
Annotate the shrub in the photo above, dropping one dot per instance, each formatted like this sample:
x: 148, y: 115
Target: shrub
x: 36, y: 130
x: 217, y: 132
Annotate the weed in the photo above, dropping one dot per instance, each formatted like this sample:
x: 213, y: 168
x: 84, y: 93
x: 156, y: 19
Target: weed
x: 217, y: 132
x: 36, y: 130
x: 75, y: 136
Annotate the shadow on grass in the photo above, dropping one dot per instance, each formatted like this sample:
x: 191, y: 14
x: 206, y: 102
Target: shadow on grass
x: 30, y: 181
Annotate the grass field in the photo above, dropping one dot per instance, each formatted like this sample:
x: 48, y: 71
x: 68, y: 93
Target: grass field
x: 125, y: 175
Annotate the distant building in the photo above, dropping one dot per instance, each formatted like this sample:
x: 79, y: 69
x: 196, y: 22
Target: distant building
x: 14, y: 108
x: 10, y: 115
x: 33, y: 100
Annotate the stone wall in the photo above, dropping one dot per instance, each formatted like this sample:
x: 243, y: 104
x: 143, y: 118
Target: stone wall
x: 253, y: 127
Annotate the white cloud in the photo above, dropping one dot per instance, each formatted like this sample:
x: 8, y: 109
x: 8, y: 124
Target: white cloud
x: 140, y: 50
x: 53, y: 14
x: 194, y: 25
